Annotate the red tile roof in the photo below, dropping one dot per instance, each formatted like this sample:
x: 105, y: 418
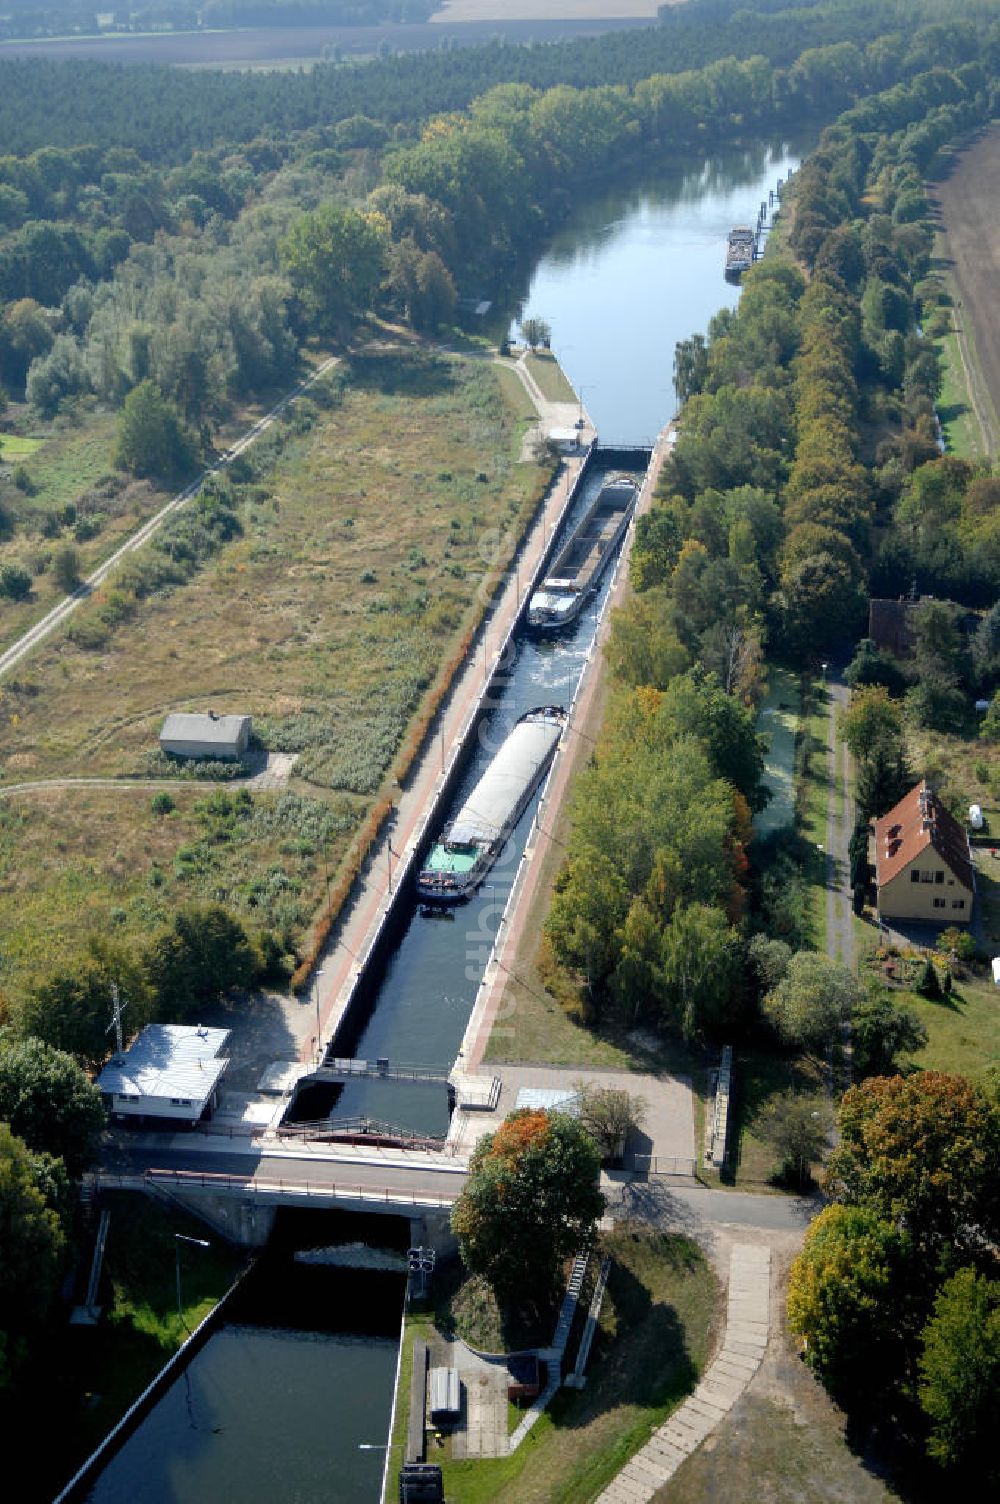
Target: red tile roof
x: 917, y: 822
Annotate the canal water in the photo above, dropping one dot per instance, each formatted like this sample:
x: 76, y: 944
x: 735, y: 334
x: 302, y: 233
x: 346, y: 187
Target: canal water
x: 640, y: 267
x: 291, y: 1399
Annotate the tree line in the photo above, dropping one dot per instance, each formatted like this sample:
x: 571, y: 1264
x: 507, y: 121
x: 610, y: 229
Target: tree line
x: 167, y: 113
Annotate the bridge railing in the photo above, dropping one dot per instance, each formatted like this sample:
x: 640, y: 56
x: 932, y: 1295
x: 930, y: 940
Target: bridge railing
x: 220, y: 1183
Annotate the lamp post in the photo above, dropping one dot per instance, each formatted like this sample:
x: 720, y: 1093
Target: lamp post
x: 316, y: 977
x: 179, y: 1238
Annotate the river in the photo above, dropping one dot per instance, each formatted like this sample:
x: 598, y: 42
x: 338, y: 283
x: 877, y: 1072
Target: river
x: 293, y: 1407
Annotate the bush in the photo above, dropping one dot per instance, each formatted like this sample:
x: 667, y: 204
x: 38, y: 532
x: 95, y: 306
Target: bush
x: 15, y: 583
x: 162, y: 804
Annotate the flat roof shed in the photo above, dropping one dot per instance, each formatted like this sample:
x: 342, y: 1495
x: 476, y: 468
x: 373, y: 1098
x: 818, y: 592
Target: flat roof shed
x: 170, y: 1071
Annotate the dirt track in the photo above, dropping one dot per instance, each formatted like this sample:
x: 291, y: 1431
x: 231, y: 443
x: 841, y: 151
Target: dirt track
x: 970, y: 249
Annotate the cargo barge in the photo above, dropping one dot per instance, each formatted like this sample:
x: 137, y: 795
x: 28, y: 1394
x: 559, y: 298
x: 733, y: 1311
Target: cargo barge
x: 741, y: 247
x: 578, y: 568
x: 457, y: 864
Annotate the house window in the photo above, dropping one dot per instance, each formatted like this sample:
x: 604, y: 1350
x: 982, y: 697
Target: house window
x: 939, y: 877
x: 180, y: 1101
x: 958, y: 903
x: 914, y: 875
x: 926, y: 877
x: 940, y: 903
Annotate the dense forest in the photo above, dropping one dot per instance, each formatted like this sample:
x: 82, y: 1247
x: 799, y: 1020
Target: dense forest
x: 165, y: 113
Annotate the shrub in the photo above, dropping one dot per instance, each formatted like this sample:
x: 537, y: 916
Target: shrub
x: 15, y: 583
x: 162, y: 804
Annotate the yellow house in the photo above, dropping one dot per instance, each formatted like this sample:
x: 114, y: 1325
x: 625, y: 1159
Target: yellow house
x: 923, y: 862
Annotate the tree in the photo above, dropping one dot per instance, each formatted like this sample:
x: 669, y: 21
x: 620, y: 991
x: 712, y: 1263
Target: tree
x: 884, y: 776
x: 49, y: 1101
x: 203, y: 954
x: 797, y: 1128
x: 700, y: 970
x: 609, y: 1116
x: 335, y: 258
x: 690, y: 367
x: 922, y: 1152
x: 872, y: 717
x: 72, y: 1008
x: 847, y: 1296
x: 809, y: 1005
x: 152, y: 440
x: 536, y: 332
x: 929, y: 983
x: 531, y: 1200
x: 32, y: 1241
x: 881, y: 1032
x: 66, y: 568
x: 960, y: 1374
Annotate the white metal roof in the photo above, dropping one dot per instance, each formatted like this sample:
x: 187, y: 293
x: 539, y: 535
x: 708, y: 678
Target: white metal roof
x: 168, y: 1060
x: 492, y: 802
x: 182, y: 726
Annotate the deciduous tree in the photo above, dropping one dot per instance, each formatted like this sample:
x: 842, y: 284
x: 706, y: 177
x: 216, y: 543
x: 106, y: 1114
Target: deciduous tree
x: 531, y: 1200
x: 922, y: 1152
x: 811, y: 1002
x: 49, y: 1101
x: 960, y: 1375
x: 847, y: 1296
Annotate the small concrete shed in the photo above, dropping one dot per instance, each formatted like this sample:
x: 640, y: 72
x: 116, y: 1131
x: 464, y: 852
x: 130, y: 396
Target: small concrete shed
x: 218, y: 737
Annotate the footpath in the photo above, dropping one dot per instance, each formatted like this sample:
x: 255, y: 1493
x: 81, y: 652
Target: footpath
x: 748, y: 1325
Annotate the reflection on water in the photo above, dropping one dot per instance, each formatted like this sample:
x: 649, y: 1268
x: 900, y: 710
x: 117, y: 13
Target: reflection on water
x: 640, y: 268
x: 266, y: 1413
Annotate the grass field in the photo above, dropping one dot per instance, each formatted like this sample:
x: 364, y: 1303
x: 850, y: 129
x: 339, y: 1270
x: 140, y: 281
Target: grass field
x: 358, y: 565
x: 960, y: 427
x: 72, y: 469
x: 963, y: 1030
x: 549, y: 375
x: 14, y: 447
x: 652, y: 1342
x: 81, y: 862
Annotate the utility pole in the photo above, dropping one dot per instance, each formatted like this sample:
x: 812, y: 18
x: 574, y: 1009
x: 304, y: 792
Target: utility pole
x: 180, y: 1238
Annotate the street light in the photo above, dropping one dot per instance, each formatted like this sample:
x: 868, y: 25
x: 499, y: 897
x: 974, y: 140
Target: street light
x: 316, y: 977
x: 179, y: 1238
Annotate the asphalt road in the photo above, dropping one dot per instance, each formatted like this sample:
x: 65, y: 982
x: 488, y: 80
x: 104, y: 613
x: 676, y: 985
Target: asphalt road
x: 667, y: 1203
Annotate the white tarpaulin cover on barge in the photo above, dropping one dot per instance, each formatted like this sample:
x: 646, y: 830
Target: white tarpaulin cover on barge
x: 486, y: 813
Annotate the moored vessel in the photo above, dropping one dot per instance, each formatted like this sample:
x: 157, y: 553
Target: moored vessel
x: 740, y: 248
x: 578, y: 567
x: 458, y: 862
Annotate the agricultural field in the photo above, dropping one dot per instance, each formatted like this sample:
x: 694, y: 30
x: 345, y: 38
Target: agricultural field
x: 356, y: 570
x: 546, y: 10
x: 969, y: 251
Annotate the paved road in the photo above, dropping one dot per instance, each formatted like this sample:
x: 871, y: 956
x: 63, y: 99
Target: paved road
x: 60, y: 613
x: 670, y: 1204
